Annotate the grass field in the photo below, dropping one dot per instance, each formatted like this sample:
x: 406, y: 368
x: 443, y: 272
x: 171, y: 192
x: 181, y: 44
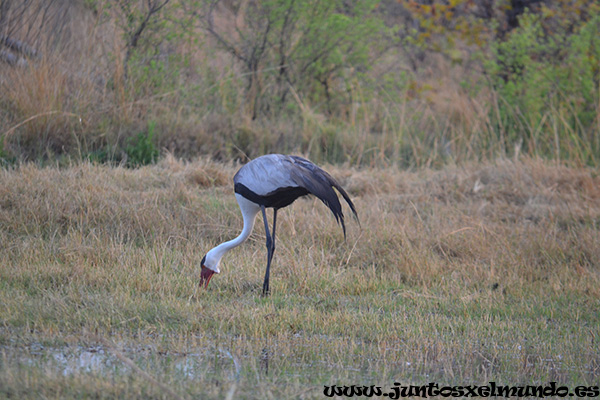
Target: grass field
x: 465, y: 275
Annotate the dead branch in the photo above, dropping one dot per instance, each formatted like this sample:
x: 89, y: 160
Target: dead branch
x: 19, y: 46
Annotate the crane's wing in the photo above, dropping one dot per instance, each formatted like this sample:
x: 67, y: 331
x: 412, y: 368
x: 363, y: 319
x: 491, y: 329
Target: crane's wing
x: 277, y: 180
x: 319, y: 183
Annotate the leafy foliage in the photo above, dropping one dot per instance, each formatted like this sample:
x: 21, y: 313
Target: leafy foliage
x: 548, y: 81
x: 307, y: 47
x: 442, y: 24
x: 141, y: 149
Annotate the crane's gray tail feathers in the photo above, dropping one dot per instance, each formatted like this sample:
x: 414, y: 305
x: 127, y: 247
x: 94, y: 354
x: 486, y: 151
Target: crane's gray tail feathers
x: 321, y: 184
x: 339, y: 215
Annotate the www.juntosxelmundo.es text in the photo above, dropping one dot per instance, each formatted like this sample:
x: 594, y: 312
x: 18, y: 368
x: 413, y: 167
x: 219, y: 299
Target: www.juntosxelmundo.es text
x: 552, y: 389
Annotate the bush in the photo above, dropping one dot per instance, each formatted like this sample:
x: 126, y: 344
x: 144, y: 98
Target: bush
x: 547, y: 83
x: 141, y: 149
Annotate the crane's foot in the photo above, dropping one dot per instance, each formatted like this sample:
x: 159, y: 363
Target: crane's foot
x: 266, y: 290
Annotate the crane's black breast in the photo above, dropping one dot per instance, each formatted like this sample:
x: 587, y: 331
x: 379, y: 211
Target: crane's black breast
x: 279, y: 198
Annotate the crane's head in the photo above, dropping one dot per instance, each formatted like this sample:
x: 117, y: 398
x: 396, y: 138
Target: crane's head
x: 210, y: 266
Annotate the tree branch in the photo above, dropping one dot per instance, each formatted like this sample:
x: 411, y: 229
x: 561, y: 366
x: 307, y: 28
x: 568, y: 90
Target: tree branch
x: 18, y: 46
x: 210, y: 28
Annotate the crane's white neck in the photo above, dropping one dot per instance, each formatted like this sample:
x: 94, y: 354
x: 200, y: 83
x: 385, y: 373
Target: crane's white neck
x: 249, y: 212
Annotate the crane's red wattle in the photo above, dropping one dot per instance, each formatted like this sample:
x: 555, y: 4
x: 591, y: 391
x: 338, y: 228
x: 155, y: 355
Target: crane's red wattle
x: 205, y: 276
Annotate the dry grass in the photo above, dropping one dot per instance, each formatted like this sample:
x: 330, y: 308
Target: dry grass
x: 461, y: 275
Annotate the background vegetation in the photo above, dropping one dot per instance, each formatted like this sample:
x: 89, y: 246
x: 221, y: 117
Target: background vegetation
x: 410, y: 83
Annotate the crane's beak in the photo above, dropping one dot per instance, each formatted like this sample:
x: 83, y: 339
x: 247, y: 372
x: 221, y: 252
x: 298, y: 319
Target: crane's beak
x: 205, y: 276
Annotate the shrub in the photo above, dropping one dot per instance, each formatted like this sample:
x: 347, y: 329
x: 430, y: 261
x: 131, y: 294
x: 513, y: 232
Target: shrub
x: 547, y: 83
x: 141, y: 149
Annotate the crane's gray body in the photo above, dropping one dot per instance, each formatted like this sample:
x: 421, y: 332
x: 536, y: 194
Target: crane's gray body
x: 276, y: 180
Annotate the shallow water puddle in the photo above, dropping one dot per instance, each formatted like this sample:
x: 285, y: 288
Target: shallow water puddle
x: 74, y: 360
x: 252, y: 359
x: 101, y: 360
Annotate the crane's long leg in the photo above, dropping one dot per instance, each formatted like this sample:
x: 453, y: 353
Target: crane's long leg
x: 270, y: 246
x: 274, y: 226
x: 266, y: 282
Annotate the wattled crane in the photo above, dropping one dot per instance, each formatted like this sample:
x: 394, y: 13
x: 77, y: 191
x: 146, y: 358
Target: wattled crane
x: 274, y: 181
